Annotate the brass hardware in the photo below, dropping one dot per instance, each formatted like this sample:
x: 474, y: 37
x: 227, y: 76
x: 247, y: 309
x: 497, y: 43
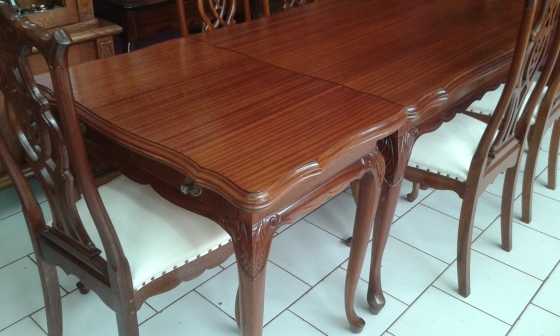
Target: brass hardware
x: 190, y: 189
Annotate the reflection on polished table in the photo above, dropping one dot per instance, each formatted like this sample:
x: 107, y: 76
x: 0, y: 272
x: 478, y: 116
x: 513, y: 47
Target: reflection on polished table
x: 272, y: 117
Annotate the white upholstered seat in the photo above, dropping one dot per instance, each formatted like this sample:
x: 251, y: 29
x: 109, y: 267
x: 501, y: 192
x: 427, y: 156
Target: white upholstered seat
x: 488, y: 103
x: 156, y: 235
x: 450, y: 149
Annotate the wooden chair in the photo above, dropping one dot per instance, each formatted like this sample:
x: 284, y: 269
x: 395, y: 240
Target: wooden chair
x: 268, y: 8
x: 213, y: 13
x: 122, y: 240
x: 466, y: 154
x: 546, y: 117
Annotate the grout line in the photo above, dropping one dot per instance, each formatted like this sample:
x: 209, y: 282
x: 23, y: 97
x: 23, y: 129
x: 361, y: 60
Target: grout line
x: 420, y: 250
x: 290, y: 273
x: 532, y: 227
x: 38, y: 325
x: 417, y: 298
x: 432, y: 283
x: 307, y: 292
x: 217, y: 306
x: 158, y: 312
x: 545, y: 309
x: 533, y: 298
x: 13, y: 262
x: 469, y: 304
x: 508, y: 265
x: 309, y: 323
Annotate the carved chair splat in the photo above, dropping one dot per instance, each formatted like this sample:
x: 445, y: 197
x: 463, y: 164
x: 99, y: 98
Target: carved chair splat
x: 88, y: 234
x: 474, y: 152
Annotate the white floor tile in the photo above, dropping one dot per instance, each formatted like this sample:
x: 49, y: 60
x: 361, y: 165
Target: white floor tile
x: 496, y: 188
x: 430, y: 231
x: 537, y: 322
x: 25, y: 327
x: 336, y: 216
x: 15, y: 241
x: 542, y: 162
x: 545, y: 215
x: 489, y: 206
x: 290, y: 324
x: 403, y: 205
x: 21, y: 292
x: 9, y: 199
x: 549, y: 295
x: 496, y: 288
x: 437, y: 313
x: 192, y: 315
x: 532, y: 252
x: 541, y: 186
x: 545, y: 144
x: 406, y: 271
x: 324, y: 307
x: 161, y: 301
x: 282, y: 289
x: 308, y: 252
x: 87, y: 315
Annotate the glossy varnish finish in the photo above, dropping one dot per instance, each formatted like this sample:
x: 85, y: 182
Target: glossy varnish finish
x: 501, y: 145
x: 420, y: 56
x: 243, y: 128
x: 369, y: 62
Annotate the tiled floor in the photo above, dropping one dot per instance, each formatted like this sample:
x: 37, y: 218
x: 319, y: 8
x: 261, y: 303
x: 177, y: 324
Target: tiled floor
x: 516, y: 293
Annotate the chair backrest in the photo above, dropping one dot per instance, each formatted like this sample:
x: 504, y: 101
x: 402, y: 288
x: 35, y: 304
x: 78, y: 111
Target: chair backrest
x: 533, y: 61
x: 550, y: 108
x: 285, y: 4
x: 213, y: 13
x: 51, y: 139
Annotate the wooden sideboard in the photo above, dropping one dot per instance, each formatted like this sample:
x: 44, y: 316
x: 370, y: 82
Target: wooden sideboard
x: 93, y: 38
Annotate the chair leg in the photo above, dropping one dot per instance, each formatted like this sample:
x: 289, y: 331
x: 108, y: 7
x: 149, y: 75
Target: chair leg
x: 82, y: 288
x: 464, y: 241
x: 528, y: 176
x: 553, y: 155
x: 237, y: 310
x: 127, y: 321
x: 413, y: 195
x: 508, y: 197
x: 51, y: 293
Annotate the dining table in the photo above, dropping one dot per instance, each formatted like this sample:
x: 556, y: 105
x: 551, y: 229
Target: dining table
x: 257, y: 124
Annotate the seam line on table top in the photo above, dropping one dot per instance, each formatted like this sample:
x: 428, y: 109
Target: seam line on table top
x: 304, y: 74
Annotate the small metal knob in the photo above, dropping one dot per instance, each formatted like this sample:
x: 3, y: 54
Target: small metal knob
x: 190, y: 189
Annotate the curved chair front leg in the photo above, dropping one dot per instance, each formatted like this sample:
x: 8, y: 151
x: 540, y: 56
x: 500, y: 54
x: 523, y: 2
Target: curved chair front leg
x: 368, y: 200
x: 51, y: 293
x: 535, y: 138
x: 508, y: 197
x: 237, y: 311
x: 553, y: 155
x: 464, y: 241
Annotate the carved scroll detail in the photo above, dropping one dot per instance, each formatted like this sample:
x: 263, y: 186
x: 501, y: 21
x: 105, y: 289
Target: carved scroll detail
x: 252, y: 242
